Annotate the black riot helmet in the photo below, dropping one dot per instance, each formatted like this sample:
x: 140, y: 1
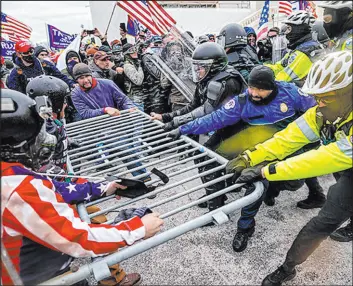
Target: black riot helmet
x: 208, y: 59
x: 23, y: 135
x: 54, y: 88
x: 232, y: 35
x: 319, y: 33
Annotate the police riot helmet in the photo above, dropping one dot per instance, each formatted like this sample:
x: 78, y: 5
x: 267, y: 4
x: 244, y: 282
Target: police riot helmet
x: 232, y: 35
x: 54, y: 88
x: 22, y: 132
x: 208, y: 59
x: 319, y: 32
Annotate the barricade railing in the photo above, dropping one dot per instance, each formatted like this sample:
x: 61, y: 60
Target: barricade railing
x: 136, y: 147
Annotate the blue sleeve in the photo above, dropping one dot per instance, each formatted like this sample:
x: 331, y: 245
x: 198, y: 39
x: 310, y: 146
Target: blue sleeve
x: 83, y: 109
x: 228, y: 114
x: 304, y: 102
x: 55, y: 72
x: 121, y: 100
x: 76, y: 193
x: 13, y: 81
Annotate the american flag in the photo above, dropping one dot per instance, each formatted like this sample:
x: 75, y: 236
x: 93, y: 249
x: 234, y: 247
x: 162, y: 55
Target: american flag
x: 150, y: 14
x: 263, y: 24
x: 285, y: 7
x: 14, y: 29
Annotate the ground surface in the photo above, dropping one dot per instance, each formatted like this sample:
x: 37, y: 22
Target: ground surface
x: 205, y: 256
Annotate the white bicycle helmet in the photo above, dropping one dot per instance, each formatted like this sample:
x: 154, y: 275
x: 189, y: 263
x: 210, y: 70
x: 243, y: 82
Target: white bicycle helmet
x: 332, y: 72
x: 300, y: 17
x: 336, y: 4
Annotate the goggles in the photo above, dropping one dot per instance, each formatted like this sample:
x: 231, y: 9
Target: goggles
x: 28, y: 53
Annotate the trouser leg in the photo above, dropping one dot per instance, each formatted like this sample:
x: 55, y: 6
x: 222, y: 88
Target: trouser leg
x: 337, y: 209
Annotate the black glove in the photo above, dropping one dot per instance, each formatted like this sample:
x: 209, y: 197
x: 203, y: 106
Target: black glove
x: 174, y: 134
x: 73, y: 143
x: 166, y: 117
x: 237, y: 165
x: 169, y: 126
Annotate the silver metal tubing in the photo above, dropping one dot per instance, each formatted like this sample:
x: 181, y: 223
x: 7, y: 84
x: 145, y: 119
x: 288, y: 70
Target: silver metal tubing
x: 112, y: 138
x: 156, y: 180
x: 119, y: 147
x: 140, y: 247
x: 114, y: 120
x: 157, y: 191
x: 123, y: 123
x: 130, y: 156
x: 10, y: 268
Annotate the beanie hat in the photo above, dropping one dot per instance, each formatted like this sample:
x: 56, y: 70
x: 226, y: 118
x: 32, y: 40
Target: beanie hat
x: 71, y: 54
x: 80, y: 69
x: 262, y: 77
x: 39, y: 49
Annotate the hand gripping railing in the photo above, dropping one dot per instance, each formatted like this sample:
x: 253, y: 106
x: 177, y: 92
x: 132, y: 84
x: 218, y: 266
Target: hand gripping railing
x: 157, y: 148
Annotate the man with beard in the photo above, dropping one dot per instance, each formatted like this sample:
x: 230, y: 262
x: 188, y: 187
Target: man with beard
x: 251, y: 36
x: 296, y: 64
x: 265, y: 108
x: 27, y: 66
x: 338, y: 23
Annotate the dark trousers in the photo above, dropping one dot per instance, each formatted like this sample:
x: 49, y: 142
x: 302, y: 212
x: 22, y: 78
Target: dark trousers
x: 248, y: 213
x: 337, y: 209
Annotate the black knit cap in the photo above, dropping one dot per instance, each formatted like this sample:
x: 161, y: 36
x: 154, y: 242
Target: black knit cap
x: 39, y: 49
x: 262, y: 77
x: 81, y: 69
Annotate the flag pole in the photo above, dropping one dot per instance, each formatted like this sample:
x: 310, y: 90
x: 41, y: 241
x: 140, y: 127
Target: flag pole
x: 111, y: 16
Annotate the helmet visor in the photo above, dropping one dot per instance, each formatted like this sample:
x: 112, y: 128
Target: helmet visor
x: 200, y: 69
x: 221, y: 40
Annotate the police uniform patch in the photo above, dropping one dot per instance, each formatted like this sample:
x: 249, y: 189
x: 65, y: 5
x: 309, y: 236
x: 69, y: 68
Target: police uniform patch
x: 230, y: 104
x: 291, y: 59
x: 348, y: 45
x: 352, y: 139
x: 283, y: 107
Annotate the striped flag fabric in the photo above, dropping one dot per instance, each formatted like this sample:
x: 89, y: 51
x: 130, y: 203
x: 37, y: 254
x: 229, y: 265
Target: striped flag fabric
x: 150, y: 14
x: 263, y: 24
x: 285, y: 7
x: 14, y: 29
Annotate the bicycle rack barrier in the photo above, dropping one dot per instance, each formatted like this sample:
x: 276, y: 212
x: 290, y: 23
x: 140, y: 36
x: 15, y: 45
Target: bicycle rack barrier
x: 110, y: 144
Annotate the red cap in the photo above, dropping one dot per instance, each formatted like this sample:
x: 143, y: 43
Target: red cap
x: 23, y: 46
x: 2, y: 60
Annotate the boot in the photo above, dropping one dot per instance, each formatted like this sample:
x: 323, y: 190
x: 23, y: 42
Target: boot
x: 316, y: 198
x: 241, y: 238
x: 279, y: 276
x: 343, y: 234
x: 120, y: 278
x: 204, y: 205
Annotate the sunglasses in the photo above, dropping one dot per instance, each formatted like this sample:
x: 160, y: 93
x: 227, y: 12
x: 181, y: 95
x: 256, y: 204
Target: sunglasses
x: 105, y: 59
x: 30, y: 52
x: 325, y: 100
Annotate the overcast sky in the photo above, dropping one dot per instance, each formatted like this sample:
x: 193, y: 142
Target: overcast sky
x: 64, y: 15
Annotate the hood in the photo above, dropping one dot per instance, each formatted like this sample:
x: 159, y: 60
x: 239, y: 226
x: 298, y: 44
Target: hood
x: 249, y: 30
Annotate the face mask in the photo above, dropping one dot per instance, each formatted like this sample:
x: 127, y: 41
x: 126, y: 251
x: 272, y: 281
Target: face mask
x: 70, y: 65
x: 29, y: 58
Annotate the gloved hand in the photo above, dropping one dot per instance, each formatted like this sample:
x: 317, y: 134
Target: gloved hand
x: 251, y: 175
x: 73, y: 143
x: 237, y: 165
x: 174, y: 134
x: 169, y: 126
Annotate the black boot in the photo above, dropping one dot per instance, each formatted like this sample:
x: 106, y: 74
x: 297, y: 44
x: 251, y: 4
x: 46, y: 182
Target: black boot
x: 316, y: 198
x: 343, y: 234
x: 241, y: 238
x: 279, y: 276
x: 204, y: 205
x: 271, y: 193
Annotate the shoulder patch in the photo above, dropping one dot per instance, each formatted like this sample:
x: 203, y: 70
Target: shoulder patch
x: 348, y: 44
x: 291, y: 59
x: 230, y: 104
x: 283, y: 107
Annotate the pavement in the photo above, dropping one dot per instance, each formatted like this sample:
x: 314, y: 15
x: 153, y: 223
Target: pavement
x: 205, y: 256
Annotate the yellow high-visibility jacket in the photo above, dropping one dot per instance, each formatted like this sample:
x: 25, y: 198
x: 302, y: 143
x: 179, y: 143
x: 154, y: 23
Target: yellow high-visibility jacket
x: 327, y: 159
x: 296, y: 64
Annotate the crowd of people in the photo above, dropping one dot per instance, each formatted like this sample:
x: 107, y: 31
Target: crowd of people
x: 279, y: 109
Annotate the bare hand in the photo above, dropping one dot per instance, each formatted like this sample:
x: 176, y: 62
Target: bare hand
x: 111, y: 188
x: 112, y: 111
x: 156, y: 116
x: 152, y: 223
x: 119, y: 70
x: 133, y: 109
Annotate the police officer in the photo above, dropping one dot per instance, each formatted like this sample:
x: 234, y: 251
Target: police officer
x: 296, y: 64
x: 330, y: 82
x: 233, y: 39
x: 338, y: 23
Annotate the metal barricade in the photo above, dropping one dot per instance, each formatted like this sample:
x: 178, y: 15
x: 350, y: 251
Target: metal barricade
x: 133, y: 136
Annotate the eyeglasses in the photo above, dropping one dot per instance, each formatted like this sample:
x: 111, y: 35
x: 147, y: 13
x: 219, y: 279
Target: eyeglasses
x: 325, y: 100
x: 28, y: 53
